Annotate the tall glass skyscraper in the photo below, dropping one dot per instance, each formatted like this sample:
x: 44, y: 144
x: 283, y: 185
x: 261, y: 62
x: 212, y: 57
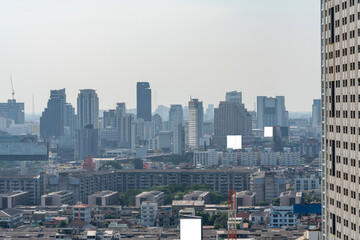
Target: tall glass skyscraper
x: 88, y: 108
x: 143, y: 103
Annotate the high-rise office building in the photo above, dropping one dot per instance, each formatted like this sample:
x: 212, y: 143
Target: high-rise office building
x: 109, y: 119
x: 52, y: 120
x: 196, y: 121
x: 13, y: 110
x: 86, y: 142
x: 231, y: 119
x: 176, y: 126
x: 209, y: 114
x: 143, y: 104
x: 88, y: 108
x: 271, y: 112
x: 70, y: 121
x: 340, y: 143
x: 175, y: 115
x: 158, y: 123
x: 234, y: 96
x: 316, y: 112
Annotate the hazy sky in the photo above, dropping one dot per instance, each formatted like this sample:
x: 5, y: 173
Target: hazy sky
x: 183, y: 48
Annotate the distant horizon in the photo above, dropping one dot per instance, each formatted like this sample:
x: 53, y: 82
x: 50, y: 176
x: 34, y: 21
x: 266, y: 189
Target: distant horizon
x: 183, y: 48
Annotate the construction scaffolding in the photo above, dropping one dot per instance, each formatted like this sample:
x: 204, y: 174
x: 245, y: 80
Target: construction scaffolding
x: 232, y: 233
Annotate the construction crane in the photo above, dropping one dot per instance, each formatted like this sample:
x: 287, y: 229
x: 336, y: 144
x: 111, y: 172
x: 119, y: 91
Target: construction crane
x: 12, y: 88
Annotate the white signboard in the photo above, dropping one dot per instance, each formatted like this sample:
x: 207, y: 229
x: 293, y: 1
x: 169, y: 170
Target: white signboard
x: 268, y: 131
x: 190, y: 229
x: 234, y: 141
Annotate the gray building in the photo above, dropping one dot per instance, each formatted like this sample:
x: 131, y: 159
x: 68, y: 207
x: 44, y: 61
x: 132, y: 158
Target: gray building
x: 104, y: 198
x: 88, y: 108
x: 151, y: 196
x: 271, y: 112
x: 231, y: 119
x: 316, y: 112
x: 52, y: 120
x: 13, y: 110
x: 176, y: 126
x: 57, y: 198
x: 34, y: 184
x: 86, y: 142
x: 196, y: 121
x: 14, y: 198
x: 234, y: 96
x: 143, y: 103
x: 267, y: 186
x: 85, y: 184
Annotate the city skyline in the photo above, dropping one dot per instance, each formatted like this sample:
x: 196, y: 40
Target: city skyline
x: 213, y: 51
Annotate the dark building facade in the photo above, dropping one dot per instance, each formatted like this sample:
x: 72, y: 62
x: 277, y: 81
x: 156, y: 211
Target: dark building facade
x: 231, y: 119
x: 53, y: 117
x: 13, y: 110
x: 143, y: 104
x: 86, y: 142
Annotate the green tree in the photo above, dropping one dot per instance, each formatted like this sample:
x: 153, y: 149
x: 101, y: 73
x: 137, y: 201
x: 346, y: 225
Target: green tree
x: 105, y: 225
x: 205, y: 217
x: 275, y: 202
x: 4, y: 224
x: 262, y: 203
x: 62, y: 224
x: 221, y: 221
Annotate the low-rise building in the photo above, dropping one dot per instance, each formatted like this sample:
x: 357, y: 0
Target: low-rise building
x: 229, y: 158
x: 258, y: 218
x: 104, y: 198
x: 14, y: 198
x: 82, y: 212
x: 177, y: 205
x: 149, y: 211
x: 267, y: 186
x: 198, y: 195
x: 289, y: 158
x: 12, y: 217
x: 151, y: 196
x: 206, y: 158
x: 248, y: 157
x: 290, y: 198
x: 245, y: 198
x: 282, y: 216
x: 57, y: 198
x: 304, y: 184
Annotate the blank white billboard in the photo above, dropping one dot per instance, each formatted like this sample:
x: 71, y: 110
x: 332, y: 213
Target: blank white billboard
x: 268, y: 131
x: 234, y: 141
x: 190, y: 229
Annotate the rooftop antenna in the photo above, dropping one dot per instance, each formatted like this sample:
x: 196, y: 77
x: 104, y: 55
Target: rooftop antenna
x: 12, y: 88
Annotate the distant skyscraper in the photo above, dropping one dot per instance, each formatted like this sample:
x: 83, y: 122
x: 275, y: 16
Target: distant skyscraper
x: 271, y: 112
x: 209, y: 115
x: 158, y: 123
x: 196, y: 120
x: 143, y: 107
x: 52, y: 120
x: 234, y: 96
x: 176, y: 126
x: 70, y: 121
x: 88, y: 108
x: 175, y: 115
x: 120, y: 110
x: 178, y: 140
x: 13, y: 110
x: 86, y: 142
x: 109, y: 119
x: 316, y: 112
x: 126, y: 127
x: 231, y: 119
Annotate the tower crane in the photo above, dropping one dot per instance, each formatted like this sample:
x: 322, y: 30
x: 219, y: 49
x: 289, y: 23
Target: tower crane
x: 12, y: 88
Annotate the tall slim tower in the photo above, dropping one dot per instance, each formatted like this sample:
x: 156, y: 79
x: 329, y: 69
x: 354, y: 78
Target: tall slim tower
x: 143, y: 104
x: 340, y: 82
x: 88, y: 108
x: 316, y: 112
x: 196, y: 121
x: 52, y: 120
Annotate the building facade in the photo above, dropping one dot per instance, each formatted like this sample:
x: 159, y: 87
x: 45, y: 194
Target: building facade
x: 13, y: 110
x: 196, y: 121
x: 143, y: 103
x: 231, y: 119
x: 88, y: 108
x: 52, y: 120
x: 271, y: 112
x: 340, y: 118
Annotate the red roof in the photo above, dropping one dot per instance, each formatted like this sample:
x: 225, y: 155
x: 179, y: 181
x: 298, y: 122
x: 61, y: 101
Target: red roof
x: 78, y: 223
x: 82, y: 205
